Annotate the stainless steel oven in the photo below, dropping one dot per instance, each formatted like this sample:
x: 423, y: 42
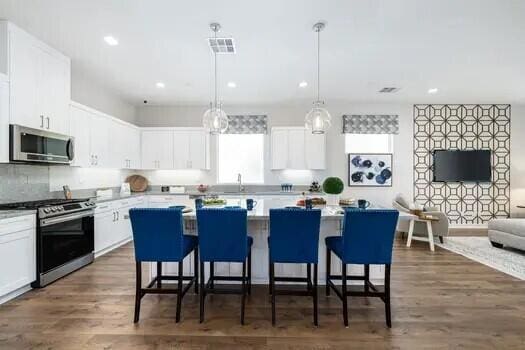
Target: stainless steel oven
x: 33, y: 145
x: 65, y: 243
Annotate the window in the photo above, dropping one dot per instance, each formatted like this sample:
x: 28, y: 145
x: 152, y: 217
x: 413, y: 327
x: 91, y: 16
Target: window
x: 369, y: 143
x: 240, y: 154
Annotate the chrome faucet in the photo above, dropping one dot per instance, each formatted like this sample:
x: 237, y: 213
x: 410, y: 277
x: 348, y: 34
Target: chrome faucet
x: 239, y: 182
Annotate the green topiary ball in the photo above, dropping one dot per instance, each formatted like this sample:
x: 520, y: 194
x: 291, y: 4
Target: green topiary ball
x: 333, y: 185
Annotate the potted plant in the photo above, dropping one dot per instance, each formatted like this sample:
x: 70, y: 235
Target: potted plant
x: 333, y: 187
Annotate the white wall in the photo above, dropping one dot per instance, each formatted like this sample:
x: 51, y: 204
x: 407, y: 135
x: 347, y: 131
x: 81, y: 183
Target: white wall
x: 293, y: 115
x: 517, y: 160
x: 85, y: 91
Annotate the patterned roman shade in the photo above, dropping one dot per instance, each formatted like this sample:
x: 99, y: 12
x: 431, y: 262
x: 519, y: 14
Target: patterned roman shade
x: 247, y: 124
x: 370, y: 124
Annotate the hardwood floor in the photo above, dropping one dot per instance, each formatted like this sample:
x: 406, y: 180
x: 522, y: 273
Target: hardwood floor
x: 439, y: 301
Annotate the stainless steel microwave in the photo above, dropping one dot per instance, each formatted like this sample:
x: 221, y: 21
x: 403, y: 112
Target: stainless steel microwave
x: 33, y: 145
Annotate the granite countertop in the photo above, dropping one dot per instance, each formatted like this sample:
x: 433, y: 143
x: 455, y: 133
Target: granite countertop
x: 7, y: 214
x: 117, y: 196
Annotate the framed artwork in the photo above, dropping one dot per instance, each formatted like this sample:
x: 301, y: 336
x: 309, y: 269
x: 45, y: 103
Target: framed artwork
x: 370, y: 170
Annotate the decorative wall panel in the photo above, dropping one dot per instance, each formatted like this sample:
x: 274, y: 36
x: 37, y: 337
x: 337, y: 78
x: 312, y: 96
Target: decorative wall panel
x: 247, y: 124
x: 370, y: 124
x: 463, y: 127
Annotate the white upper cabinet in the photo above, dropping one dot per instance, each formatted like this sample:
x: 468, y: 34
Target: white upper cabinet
x: 99, y: 135
x: 191, y: 149
x: 125, y: 147
x: 40, y: 83
x: 297, y: 148
x: 80, y: 121
x: 157, y: 149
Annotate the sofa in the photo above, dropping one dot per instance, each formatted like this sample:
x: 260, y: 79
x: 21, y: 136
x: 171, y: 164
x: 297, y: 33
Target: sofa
x: 507, y: 232
x: 439, y: 228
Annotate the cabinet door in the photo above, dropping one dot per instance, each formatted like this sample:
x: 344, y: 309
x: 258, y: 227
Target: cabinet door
x: 164, y: 147
x: 279, y: 149
x: 17, y: 260
x: 54, y: 91
x: 125, y: 231
x: 80, y: 129
x: 157, y: 149
x: 296, y: 151
x: 134, y: 148
x: 104, y: 230
x: 181, y: 149
x: 99, y: 140
x: 24, y: 71
x: 198, y: 155
x: 315, y: 149
x: 119, y: 145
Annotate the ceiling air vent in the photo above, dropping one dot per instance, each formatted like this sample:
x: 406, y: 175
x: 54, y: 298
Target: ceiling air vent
x: 222, y: 45
x: 389, y: 90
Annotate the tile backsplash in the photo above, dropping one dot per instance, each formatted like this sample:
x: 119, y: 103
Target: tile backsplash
x: 19, y: 182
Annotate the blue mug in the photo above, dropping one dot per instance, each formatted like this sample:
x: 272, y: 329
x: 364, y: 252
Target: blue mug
x: 363, y: 203
x: 250, y: 204
x: 198, y: 203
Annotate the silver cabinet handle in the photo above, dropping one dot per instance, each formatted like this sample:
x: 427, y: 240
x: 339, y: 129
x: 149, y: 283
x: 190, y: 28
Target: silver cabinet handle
x: 41, y: 121
x: 47, y: 123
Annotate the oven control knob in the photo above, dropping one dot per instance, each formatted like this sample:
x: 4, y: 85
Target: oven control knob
x: 60, y: 209
x: 54, y: 209
x: 47, y: 210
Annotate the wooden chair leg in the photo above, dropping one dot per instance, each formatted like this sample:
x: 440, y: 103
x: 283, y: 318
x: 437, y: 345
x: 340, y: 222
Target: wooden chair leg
x: 179, y: 293
x: 441, y: 239
x: 159, y: 274
x: 269, y: 277
x: 196, y: 269
x: 212, y: 273
x: 315, y: 296
x: 328, y: 271
x: 387, y: 297
x: 202, y: 294
x: 250, y: 272
x: 367, y: 278
x: 138, y: 292
x: 272, y: 288
x: 343, y: 292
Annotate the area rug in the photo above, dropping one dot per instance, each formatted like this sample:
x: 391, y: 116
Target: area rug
x: 509, y: 261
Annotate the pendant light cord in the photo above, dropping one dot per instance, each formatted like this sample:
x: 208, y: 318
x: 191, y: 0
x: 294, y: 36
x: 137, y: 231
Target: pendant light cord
x: 215, y: 61
x: 318, y: 61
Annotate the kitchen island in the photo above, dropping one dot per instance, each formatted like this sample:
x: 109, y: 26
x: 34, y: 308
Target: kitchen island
x: 258, y: 219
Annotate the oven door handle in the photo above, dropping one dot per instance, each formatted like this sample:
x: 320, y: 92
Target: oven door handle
x: 64, y: 218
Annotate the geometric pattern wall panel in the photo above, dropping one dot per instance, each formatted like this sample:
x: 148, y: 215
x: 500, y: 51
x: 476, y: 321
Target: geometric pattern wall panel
x: 247, y: 124
x: 463, y: 127
x: 370, y: 124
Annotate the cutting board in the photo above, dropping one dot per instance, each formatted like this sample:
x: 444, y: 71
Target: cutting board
x: 137, y: 183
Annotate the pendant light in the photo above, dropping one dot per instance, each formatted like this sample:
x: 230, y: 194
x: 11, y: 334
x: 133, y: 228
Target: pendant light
x: 318, y: 120
x: 215, y: 119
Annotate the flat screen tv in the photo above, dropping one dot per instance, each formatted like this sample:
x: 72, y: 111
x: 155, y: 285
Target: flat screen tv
x: 462, y: 166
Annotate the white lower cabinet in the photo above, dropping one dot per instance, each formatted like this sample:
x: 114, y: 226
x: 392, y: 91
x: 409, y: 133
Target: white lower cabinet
x: 112, y: 224
x: 17, y: 255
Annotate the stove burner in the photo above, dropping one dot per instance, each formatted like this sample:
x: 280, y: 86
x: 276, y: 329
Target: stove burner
x: 40, y: 203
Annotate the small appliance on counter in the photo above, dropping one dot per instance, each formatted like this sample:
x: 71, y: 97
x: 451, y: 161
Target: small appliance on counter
x: 176, y: 189
x: 164, y: 189
x: 125, y: 189
x: 105, y: 192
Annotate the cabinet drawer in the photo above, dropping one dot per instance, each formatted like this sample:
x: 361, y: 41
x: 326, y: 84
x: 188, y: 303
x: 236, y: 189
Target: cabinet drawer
x: 104, y: 207
x: 17, y: 224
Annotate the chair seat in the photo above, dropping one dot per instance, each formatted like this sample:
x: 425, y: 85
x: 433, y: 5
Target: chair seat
x: 189, y: 243
x: 335, y: 244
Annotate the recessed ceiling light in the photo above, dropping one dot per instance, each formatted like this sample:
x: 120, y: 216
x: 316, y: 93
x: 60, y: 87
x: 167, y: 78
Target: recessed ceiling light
x: 110, y: 40
x: 160, y: 85
x: 433, y: 90
x: 231, y: 84
x: 303, y: 84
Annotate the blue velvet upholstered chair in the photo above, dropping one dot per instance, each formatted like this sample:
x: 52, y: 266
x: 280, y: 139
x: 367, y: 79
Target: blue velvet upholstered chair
x: 158, y: 237
x: 368, y: 236
x: 294, y: 239
x: 223, y: 237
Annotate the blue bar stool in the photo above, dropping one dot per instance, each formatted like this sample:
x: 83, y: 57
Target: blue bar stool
x: 368, y: 236
x: 223, y: 237
x: 158, y: 236
x: 294, y: 239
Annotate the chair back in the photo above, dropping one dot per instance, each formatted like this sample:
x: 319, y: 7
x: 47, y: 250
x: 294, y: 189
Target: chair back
x: 294, y: 235
x: 222, y: 234
x: 368, y: 235
x: 157, y: 233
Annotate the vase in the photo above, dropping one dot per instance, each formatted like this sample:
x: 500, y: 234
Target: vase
x: 332, y: 199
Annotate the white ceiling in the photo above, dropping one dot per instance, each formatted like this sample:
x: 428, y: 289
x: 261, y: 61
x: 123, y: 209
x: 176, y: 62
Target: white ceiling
x: 472, y: 50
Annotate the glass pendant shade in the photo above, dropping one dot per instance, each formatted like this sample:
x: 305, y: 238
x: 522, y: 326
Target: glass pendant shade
x: 215, y: 120
x: 318, y: 119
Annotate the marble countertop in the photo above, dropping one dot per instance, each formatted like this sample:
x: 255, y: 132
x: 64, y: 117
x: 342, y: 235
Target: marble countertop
x: 7, y: 214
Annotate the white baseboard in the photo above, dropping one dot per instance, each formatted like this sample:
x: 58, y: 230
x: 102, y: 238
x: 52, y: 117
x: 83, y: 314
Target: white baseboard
x: 113, y: 247
x: 15, y: 293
